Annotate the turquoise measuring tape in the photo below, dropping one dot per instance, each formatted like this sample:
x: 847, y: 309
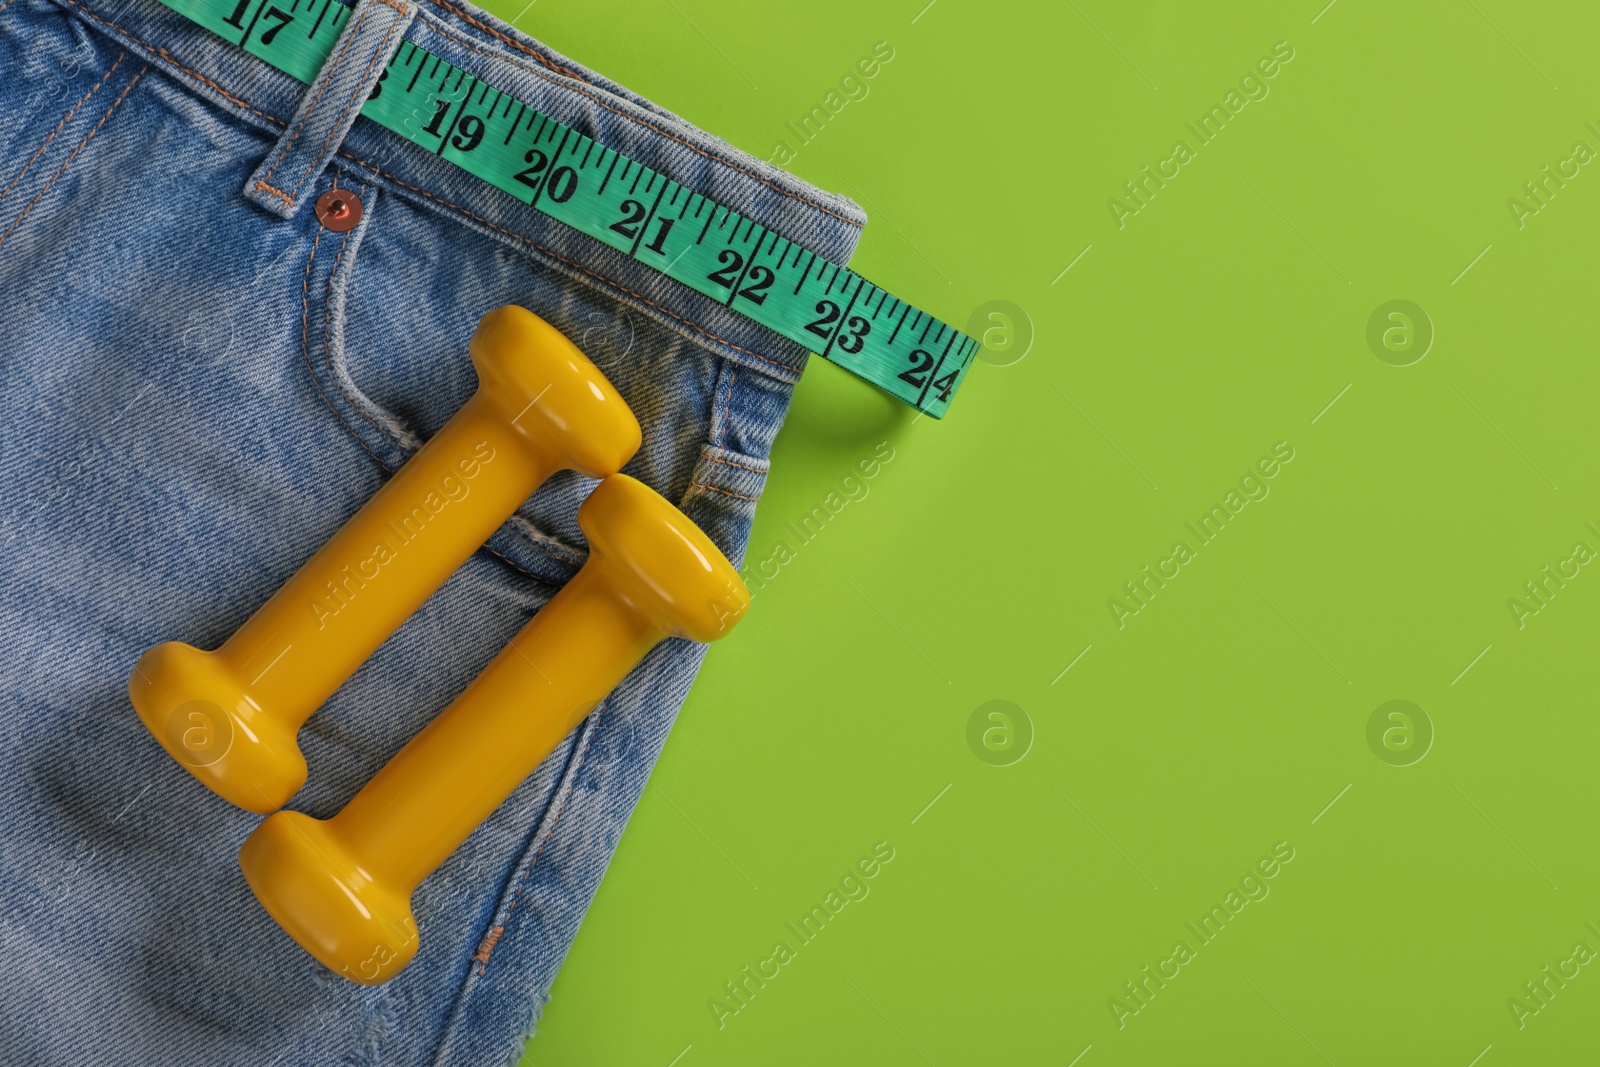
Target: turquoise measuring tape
x: 712, y: 249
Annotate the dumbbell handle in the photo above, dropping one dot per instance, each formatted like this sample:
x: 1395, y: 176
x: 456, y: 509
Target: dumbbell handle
x: 377, y: 570
x: 452, y: 776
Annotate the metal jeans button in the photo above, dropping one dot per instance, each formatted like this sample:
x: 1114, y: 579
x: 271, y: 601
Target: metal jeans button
x: 338, y: 210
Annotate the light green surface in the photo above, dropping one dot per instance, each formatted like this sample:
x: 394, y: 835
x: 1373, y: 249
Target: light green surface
x: 1232, y: 712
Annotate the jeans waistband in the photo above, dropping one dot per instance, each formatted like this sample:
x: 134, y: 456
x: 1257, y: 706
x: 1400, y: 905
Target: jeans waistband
x: 504, y: 58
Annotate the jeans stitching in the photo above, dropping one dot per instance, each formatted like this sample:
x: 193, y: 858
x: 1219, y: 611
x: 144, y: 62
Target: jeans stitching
x: 279, y: 193
x: 81, y: 144
x: 731, y: 463
x: 492, y: 938
x: 167, y: 56
x: 327, y: 345
x: 305, y: 352
x: 703, y: 487
x: 46, y: 144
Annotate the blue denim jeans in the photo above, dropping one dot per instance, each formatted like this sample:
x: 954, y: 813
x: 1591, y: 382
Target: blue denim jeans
x: 196, y: 390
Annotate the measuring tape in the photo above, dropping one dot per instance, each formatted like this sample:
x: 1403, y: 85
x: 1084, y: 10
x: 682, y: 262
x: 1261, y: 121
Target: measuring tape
x: 712, y: 249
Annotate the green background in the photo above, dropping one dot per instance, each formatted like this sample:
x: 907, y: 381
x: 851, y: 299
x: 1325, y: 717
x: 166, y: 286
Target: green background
x: 1231, y: 712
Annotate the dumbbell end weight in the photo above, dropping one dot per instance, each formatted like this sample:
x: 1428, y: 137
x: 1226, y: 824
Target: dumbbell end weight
x: 203, y: 716
x: 311, y: 885
x: 666, y: 566
x: 556, y: 392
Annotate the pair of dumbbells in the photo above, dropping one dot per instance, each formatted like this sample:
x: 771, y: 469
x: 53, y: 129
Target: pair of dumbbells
x: 342, y: 887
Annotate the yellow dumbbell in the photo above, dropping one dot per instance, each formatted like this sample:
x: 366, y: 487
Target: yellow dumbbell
x: 342, y: 887
x: 230, y: 716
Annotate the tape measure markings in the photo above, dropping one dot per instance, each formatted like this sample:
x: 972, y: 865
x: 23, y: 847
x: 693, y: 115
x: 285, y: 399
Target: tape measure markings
x: 575, y: 181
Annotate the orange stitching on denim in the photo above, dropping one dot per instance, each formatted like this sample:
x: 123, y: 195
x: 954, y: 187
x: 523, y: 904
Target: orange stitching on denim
x: 164, y: 54
x: 516, y: 894
x: 731, y: 463
x: 441, y: 31
x: 383, y: 47
x: 279, y: 193
x: 350, y: 35
x: 40, y: 150
x: 725, y: 492
x: 640, y: 297
x: 391, y: 3
x: 81, y: 144
x: 520, y: 569
x: 327, y: 339
x: 305, y: 352
x: 486, y: 946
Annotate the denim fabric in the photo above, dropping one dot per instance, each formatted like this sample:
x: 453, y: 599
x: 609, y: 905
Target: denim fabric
x: 194, y: 394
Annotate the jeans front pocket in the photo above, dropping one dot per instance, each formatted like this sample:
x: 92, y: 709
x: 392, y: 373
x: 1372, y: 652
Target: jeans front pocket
x: 391, y: 310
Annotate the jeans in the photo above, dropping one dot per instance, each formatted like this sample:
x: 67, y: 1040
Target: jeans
x: 197, y: 388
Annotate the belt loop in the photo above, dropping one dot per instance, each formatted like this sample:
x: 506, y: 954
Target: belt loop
x: 284, y: 180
